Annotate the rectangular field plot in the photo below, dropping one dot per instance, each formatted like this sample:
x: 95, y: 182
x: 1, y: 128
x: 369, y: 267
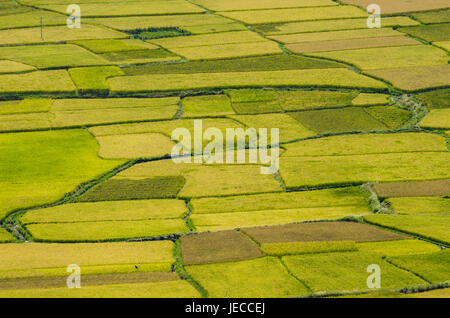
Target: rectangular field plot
x: 399, y: 247
x: 435, y: 99
x: 233, y: 5
x: 131, y: 8
x: 114, y: 45
x: 105, y: 230
x: 336, y: 35
x: 419, y: 205
x: 289, y: 128
x: 430, y: 33
x: 37, y: 260
x: 300, y: 100
x: 219, y: 247
x: 214, y: 28
x: 221, y: 51
x: 297, y: 248
x: 27, y: 17
x: 246, y: 64
x: 402, y: 5
x: 159, y: 21
x: 209, y: 39
x: 169, y: 289
x: 371, y: 99
x: 355, y: 169
x: 272, y: 201
x: 429, y: 225
x: 57, y: 34
x: 437, y: 118
x: 207, y: 105
x: 7, y: 66
x: 139, y: 57
x: 93, y: 79
x: 338, y: 120
x: 233, y: 220
x: 321, y: 232
x: 5, y: 236
x: 263, y: 277
x: 415, y: 78
x: 367, y: 144
x: 433, y: 267
x: 295, y: 14
x: 52, y: 56
x: 400, y: 56
x: 108, y: 211
x: 31, y: 105
x: 324, y: 77
x: 330, y: 25
x: 117, y: 189
x: 348, y: 271
x: 413, y: 189
x: 351, y: 44
x: 37, y: 82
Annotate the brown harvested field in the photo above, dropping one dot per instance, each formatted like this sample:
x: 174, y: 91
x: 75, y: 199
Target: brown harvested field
x: 413, y: 189
x: 415, y: 78
x: 87, y: 280
x: 337, y: 45
x: 397, y: 6
x: 321, y: 232
x: 218, y: 247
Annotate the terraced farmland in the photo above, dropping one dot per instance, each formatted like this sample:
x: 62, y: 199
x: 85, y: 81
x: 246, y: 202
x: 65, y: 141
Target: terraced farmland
x: 121, y: 149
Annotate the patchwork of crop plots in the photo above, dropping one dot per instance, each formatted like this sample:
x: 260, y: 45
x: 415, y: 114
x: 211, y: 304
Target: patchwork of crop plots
x: 87, y: 121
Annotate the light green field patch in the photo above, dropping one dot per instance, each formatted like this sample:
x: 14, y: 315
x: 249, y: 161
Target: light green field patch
x: 7, y: 66
x: 435, y: 99
x: 75, y: 104
x: 437, y: 118
x: 139, y: 57
x: 295, y: 14
x: 134, y: 146
x: 413, y: 205
x: 431, y: 225
x: 108, y: 211
x: 331, y: 25
x: 208, y: 180
x: 159, y: 21
x: 5, y: 236
x: 37, y: 105
x: 114, y: 45
x: 220, y: 51
x: 299, y: 100
x: 392, y: 117
x: 233, y: 5
x: 263, y: 277
x: 367, y: 144
x: 289, y: 128
x: 284, y: 200
x: 207, y: 105
x: 52, y: 56
x: 402, y: 56
x: 233, y: 220
x: 132, y: 8
x: 397, y: 248
x: 105, y: 230
x: 57, y: 34
x: 357, y: 169
x: 324, y: 77
x: 251, y: 95
x: 93, y: 79
x: 371, y: 99
x: 335, y: 35
x: 54, y: 169
x: 209, y: 39
x: 41, y: 259
x: 415, y: 78
x: 293, y: 248
x: 31, y: 18
x: 170, y: 289
x: 433, y: 267
x: 347, y: 270
x: 213, y: 28
x: 57, y: 81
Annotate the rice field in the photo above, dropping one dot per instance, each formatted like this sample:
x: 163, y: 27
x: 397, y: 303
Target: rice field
x: 89, y: 118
